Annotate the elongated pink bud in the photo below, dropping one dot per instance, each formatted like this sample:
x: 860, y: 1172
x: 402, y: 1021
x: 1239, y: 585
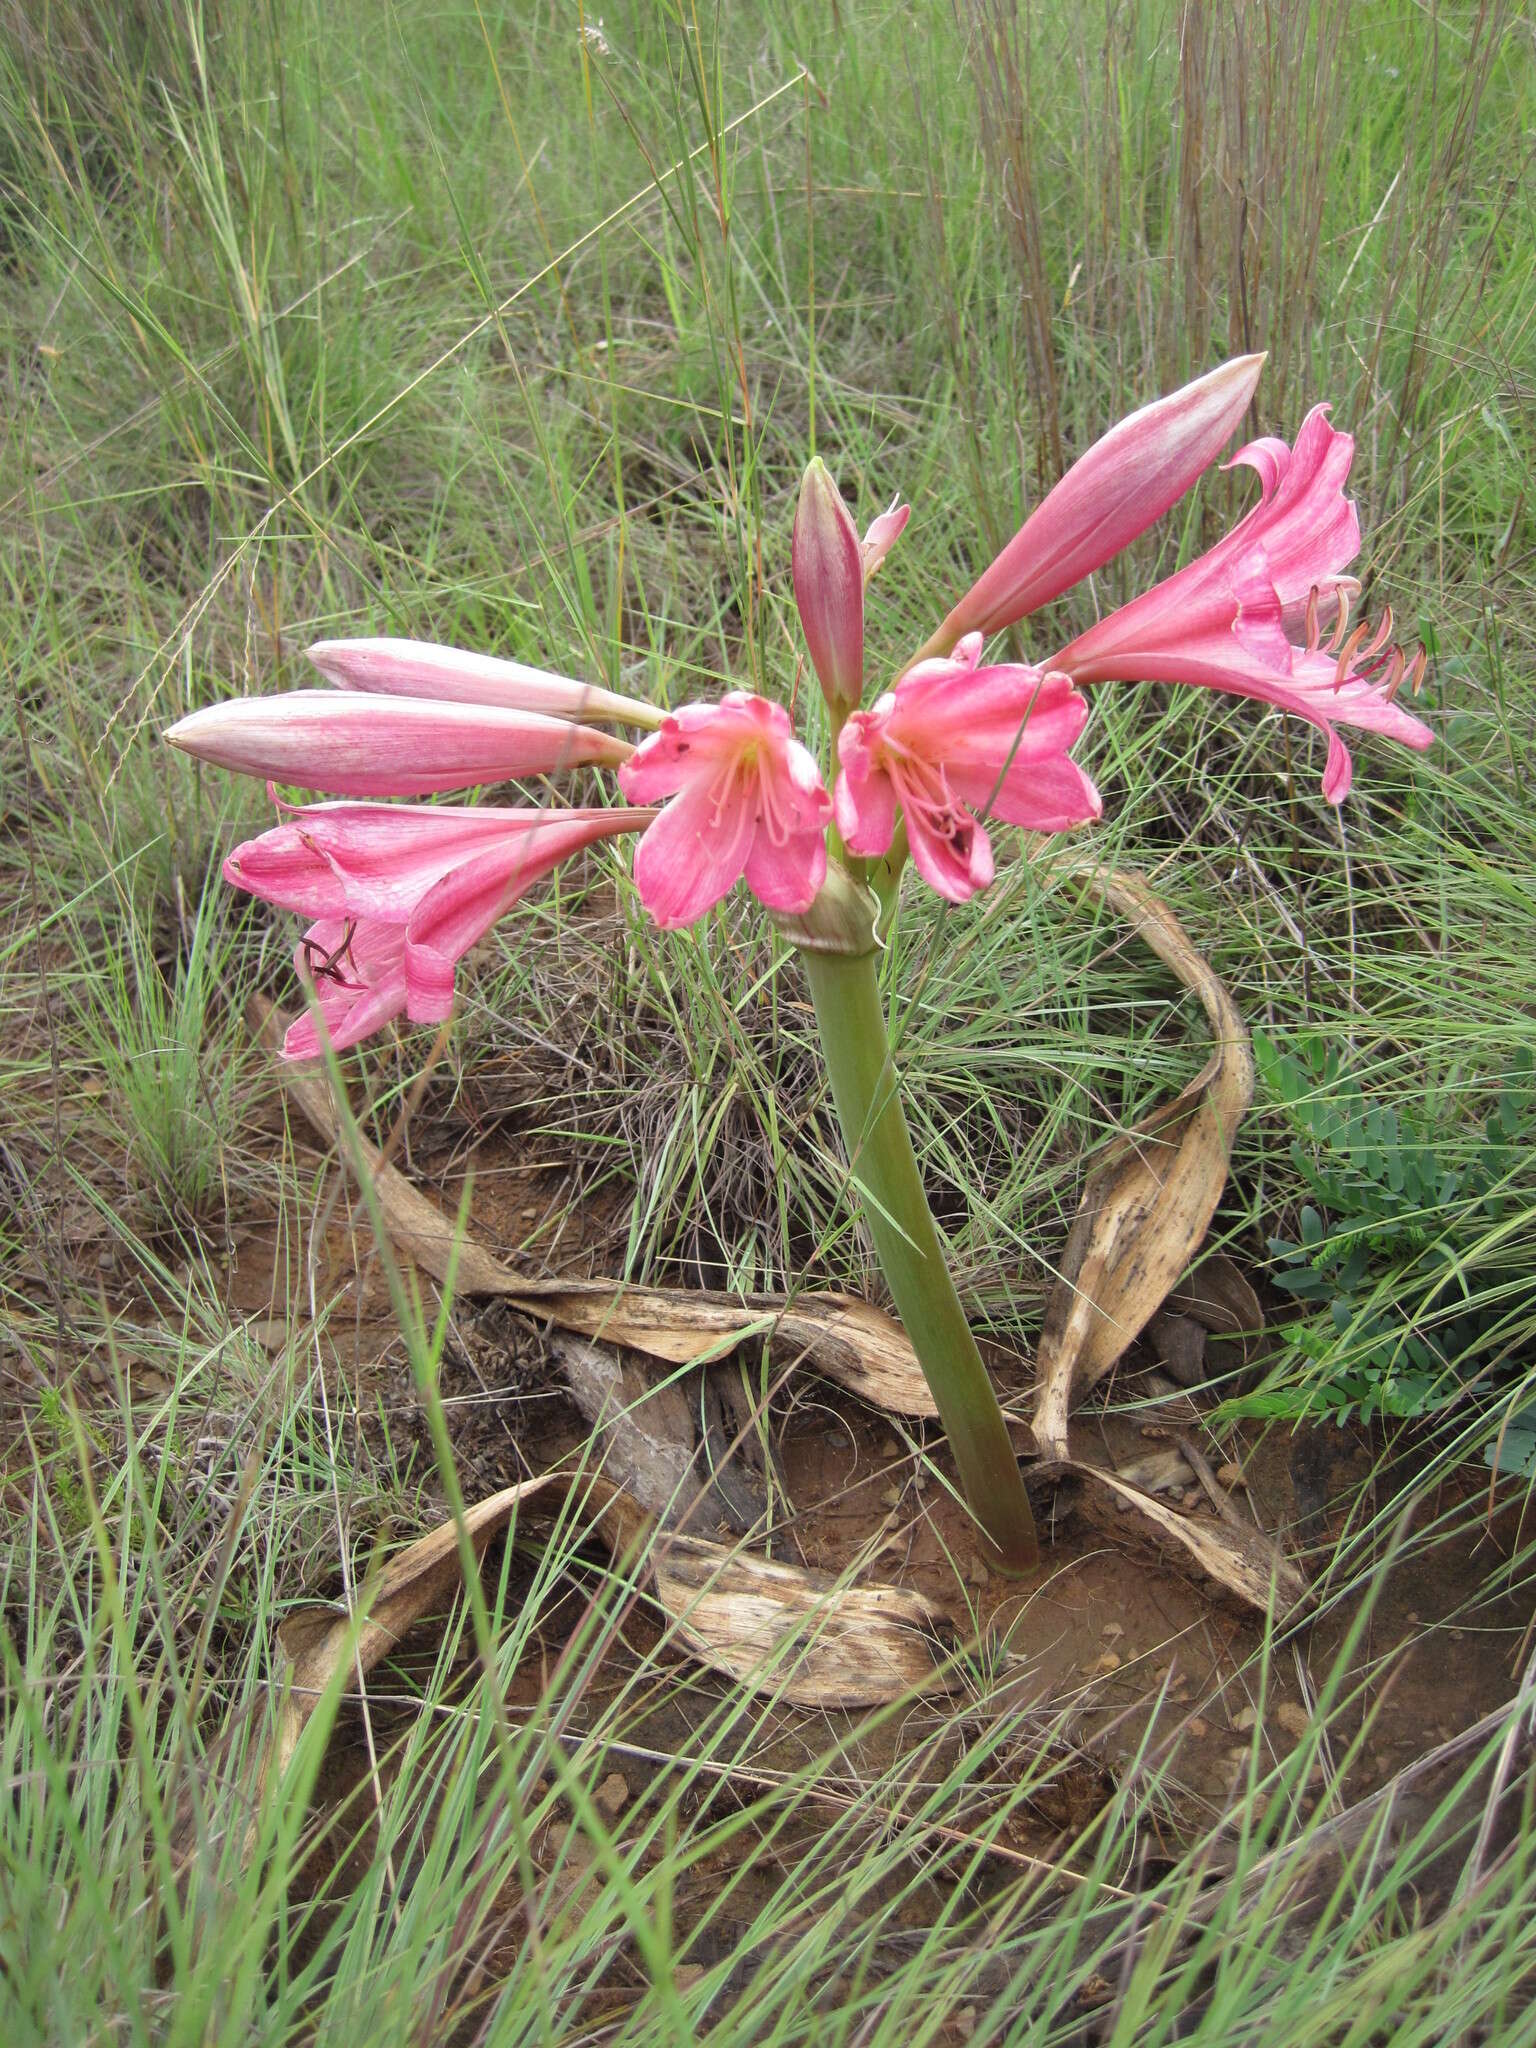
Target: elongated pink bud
x: 355, y: 745
x: 420, y: 668
x: 1110, y: 495
x: 829, y: 587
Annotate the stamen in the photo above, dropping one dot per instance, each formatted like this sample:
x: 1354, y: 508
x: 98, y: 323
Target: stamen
x: 1342, y: 620
x: 325, y: 967
x: 777, y: 824
x: 1396, y: 669
x: 1349, y: 650
x: 1383, y: 633
x: 1312, y: 620
x: 926, y: 797
x: 1369, y: 659
x: 724, y: 788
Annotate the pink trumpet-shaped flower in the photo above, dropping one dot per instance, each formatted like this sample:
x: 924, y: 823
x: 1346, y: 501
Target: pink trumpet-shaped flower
x: 829, y: 572
x: 419, y: 668
x: 1249, y: 615
x: 379, y: 860
x: 361, y: 745
x: 1110, y: 495
x: 402, y: 895
x: 747, y: 799
x: 953, y: 742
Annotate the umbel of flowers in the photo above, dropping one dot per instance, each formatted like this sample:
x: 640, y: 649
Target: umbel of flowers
x: 724, y: 792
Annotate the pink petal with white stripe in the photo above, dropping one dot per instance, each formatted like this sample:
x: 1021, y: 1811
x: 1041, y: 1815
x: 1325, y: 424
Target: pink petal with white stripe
x: 1122, y: 485
x: 352, y: 744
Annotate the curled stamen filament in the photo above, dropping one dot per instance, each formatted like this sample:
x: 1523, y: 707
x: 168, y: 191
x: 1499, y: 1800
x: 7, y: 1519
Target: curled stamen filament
x: 1371, y: 657
x: 1342, y: 622
x: 779, y: 827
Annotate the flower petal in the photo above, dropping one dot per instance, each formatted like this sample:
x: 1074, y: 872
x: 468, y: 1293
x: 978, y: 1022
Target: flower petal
x: 457, y: 911
x: 787, y: 874
x: 693, y: 854
x: 882, y: 534
x: 421, y: 668
x: 357, y: 975
x: 1122, y: 485
x: 693, y: 740
x: 865, y: 796
x: 359, y: 745
x: 1308, y: 529
x: 955, y: 859
x: 369, y: 860
x: 1048, y: 794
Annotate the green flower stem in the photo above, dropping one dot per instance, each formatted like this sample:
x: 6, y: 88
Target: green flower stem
x: 846, y: 993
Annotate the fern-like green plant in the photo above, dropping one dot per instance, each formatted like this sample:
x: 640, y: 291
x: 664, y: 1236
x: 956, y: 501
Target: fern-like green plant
x: 1411, y: 1260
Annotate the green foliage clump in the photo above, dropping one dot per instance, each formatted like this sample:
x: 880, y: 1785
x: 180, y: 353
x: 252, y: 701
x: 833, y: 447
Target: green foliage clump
x: 1409, y: 1245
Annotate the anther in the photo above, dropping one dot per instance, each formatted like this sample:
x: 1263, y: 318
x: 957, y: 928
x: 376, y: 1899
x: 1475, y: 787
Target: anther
x: 1383, y: 634
x: 1342, y: 620
x: 1349, y: 650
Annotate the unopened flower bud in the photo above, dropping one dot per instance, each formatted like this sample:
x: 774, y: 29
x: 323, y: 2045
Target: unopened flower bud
x: 829, y: 587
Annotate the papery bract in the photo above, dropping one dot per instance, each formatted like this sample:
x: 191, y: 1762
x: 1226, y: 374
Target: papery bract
x: 354, y: 744
x: 1110, y: 495
x: 1248, y: 615
x: 747, y: 799
x: 952, y: 742
x: 829, y: 569
x: 420, y: 668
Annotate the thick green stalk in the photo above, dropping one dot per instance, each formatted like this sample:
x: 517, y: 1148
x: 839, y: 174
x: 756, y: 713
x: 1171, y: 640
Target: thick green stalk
x: 846, y: 993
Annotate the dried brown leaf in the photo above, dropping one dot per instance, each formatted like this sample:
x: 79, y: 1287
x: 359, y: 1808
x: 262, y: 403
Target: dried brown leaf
x: 795, y: 1635
x: 1149, y: 1199
x: 847, y: 1340
x: 1243, y: 1559
x: 798, y: 1635
x: 318, y: 1643
x: 1218, y: 1295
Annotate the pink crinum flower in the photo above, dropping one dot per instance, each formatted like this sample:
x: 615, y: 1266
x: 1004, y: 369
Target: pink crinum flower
x: 1250, y: 614
x: 952, y: 743
x: 401, y: 892
x: 747, y: 799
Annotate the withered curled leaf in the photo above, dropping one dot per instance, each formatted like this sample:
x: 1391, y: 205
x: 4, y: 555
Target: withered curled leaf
x: 849, y: 1341
x: 1150, y: 1197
